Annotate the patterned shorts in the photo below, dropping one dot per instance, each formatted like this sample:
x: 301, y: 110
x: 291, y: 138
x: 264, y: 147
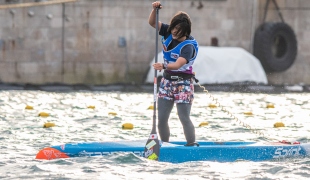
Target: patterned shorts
x: 177, y: 91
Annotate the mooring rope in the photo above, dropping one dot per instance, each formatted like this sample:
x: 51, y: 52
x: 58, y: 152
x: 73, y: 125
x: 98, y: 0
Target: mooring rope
x: 233, y: 116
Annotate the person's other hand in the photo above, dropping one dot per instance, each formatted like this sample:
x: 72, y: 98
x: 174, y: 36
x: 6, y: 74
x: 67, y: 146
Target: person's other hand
x: 158, y: 66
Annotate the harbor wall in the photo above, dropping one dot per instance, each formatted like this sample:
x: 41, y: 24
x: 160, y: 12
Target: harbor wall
x: 110, y: 41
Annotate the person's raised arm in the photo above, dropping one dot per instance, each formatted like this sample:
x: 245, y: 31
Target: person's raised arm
x: 152, y: 17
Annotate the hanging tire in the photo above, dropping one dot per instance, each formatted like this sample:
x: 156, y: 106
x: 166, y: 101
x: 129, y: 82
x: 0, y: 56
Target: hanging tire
x: 275, y: 45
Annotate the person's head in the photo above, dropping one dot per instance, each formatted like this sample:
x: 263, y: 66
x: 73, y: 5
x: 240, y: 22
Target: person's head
x: 180, y: 25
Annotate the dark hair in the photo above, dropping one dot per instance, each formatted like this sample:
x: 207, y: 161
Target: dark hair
x: 182, y: 22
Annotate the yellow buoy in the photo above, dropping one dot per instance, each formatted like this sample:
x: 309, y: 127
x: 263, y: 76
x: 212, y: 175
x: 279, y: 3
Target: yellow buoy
x: 113, y: 113
x: 278, y: 124
x: 29, y: 107
x: 91, y: 107
x: 48, y: 125
x: 212, y: 106
x: 151, y: 107
x: 43, y: 114
x: 127, y: 126
x: 203, y: 124
x: 270, y: 105
x: 249, y: 113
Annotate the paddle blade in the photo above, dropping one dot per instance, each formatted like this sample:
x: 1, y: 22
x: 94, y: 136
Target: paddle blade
x: 152, y: 147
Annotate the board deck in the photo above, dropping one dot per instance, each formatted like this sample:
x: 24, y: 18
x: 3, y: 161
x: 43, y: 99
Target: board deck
x: 176, y: 152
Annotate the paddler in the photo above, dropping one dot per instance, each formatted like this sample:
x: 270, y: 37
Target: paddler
x: 177, y: 85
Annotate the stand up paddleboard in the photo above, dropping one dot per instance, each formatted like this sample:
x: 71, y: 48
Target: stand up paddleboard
x: 176, y: 152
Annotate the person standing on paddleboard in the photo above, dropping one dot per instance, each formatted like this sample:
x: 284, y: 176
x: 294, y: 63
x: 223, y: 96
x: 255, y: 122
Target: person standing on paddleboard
x: 177, y: 85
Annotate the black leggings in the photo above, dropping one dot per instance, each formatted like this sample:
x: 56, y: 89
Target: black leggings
x: 164, y: 110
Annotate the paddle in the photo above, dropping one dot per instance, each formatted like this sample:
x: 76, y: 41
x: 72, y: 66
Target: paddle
x: 151, y: 150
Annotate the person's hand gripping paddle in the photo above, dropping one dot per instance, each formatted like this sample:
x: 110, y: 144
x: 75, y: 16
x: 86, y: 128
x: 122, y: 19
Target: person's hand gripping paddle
x: 152, y: 147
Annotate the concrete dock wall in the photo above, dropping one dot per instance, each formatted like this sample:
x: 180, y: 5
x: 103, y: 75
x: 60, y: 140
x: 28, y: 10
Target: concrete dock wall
x: 110, y: 41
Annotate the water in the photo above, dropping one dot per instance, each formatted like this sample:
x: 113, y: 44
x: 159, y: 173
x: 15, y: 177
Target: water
x: 22, y: 135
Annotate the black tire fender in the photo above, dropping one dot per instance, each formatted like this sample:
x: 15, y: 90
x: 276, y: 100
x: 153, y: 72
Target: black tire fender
x: 275, y: 45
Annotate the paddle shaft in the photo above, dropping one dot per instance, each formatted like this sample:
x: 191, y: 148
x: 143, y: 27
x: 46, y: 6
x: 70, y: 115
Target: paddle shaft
x: 152, y: 147
x: 155, y: 74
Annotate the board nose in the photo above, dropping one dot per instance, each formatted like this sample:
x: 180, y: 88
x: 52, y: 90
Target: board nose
x: 51, y: 153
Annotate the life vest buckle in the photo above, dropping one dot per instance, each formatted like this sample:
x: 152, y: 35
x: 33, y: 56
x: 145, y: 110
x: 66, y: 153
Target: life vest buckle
x: 174, y: 77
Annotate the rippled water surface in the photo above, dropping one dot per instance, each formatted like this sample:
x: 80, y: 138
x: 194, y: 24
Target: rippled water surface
x: 22, y: 134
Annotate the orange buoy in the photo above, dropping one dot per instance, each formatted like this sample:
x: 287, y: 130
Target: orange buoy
x: 270, y: 105
x: 112, y: 113
x: 203, y: 124
x: 249, y: 113
x: 127, y: 126
x: 278, y: 124
x: 44, y: 114
x: 29, y: 107
x: 91, y: 107
x: 48, y: 125
x: 212, y: 106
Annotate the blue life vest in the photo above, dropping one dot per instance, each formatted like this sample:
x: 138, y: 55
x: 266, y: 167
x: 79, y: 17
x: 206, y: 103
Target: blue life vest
x: 173, y: 54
